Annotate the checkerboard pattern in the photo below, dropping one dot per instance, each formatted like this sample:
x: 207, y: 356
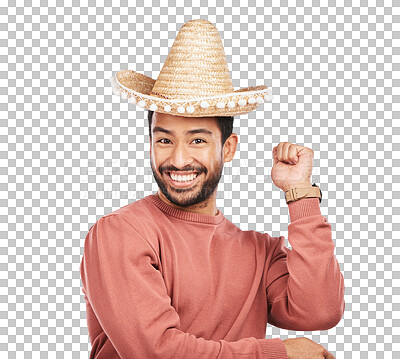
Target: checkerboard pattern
x: 72, y: 152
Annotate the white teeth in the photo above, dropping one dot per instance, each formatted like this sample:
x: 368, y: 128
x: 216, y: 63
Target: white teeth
x: 183, y: 178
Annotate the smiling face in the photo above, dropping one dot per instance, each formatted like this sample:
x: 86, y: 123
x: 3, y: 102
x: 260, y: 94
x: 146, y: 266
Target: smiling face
x: 187, y: 157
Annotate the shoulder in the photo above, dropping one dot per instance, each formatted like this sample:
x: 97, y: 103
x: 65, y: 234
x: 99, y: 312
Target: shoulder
x: 264, y: 241
x: 259, y: 240
x: 136, y: 217
x: 136, y: 212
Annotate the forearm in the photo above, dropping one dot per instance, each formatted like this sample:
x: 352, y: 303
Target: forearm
x: 308, y: 290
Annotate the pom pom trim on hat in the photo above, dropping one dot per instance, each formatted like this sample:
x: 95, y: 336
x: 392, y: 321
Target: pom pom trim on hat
x: 219, y: 103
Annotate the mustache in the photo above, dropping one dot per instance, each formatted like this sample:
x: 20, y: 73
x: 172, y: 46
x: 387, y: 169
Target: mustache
x: 182, y: 170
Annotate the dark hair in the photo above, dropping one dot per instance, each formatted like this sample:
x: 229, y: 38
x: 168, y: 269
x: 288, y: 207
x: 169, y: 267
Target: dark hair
x: 225, y: 125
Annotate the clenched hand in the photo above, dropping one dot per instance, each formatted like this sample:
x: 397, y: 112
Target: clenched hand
x: 292, y: 166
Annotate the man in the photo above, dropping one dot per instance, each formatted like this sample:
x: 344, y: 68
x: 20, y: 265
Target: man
x: 168, y: 276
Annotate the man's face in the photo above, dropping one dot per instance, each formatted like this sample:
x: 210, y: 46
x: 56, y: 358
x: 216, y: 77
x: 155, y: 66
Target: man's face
x: 175, y: 150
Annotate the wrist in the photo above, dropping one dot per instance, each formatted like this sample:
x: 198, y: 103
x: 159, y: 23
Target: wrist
x: 296, y: 193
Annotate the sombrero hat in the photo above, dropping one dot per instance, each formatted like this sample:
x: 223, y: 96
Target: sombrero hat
x: 194, y: 80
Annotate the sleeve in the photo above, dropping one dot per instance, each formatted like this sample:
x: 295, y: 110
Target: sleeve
x: 305, y: 288
x: 120, y: 277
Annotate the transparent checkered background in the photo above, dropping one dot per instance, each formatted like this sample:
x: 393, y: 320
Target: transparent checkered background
x: 72, y: 152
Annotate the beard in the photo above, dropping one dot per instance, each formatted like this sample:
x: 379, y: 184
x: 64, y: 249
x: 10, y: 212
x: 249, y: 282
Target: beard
x: 186, y: 197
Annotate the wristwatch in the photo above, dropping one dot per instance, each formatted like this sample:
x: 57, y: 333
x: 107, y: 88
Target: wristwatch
x: 295, y: 194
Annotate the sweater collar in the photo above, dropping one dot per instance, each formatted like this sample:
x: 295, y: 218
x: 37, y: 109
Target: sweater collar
x: 186, y: 216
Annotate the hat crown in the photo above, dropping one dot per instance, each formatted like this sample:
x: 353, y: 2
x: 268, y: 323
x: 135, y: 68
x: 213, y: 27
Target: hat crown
x: 196, y: 65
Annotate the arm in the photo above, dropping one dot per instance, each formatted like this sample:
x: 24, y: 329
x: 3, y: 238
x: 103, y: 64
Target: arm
x: 305, y: 288
x: 121, y: 280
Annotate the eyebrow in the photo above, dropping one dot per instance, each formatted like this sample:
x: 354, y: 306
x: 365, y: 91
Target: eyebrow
x: 189, y: 132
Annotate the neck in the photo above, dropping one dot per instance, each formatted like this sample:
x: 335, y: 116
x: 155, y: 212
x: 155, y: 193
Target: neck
x: 209, y: 206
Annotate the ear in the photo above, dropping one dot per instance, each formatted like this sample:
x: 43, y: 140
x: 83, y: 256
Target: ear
x: 230, y: 145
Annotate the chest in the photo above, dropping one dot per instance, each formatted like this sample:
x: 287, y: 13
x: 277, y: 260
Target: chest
x: 210, y: 274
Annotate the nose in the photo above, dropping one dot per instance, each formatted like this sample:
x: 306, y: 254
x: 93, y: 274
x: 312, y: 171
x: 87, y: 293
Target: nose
x: 181, y: 156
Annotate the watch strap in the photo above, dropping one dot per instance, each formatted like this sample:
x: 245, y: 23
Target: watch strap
x: 295, y: 194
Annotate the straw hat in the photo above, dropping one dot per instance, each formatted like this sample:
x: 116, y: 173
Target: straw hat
x: 194, y: 80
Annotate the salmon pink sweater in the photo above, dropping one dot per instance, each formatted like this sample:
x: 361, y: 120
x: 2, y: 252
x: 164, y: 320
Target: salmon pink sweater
x: 160, y: 282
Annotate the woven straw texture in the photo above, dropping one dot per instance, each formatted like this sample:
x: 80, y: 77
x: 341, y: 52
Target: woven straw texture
x: 196, y: 65
x: 194, y: 80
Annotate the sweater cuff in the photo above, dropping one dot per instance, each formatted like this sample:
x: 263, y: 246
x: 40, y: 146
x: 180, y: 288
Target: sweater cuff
x: 273, y: 348
x: 303, y: 208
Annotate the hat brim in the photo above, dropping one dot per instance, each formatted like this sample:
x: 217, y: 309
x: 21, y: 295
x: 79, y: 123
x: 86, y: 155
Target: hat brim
x: 136, y: 88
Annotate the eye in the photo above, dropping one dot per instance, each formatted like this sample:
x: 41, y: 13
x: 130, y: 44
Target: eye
x: 166, y: 139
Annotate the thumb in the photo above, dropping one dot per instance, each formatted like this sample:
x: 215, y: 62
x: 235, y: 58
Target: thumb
x: 304, y: 154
